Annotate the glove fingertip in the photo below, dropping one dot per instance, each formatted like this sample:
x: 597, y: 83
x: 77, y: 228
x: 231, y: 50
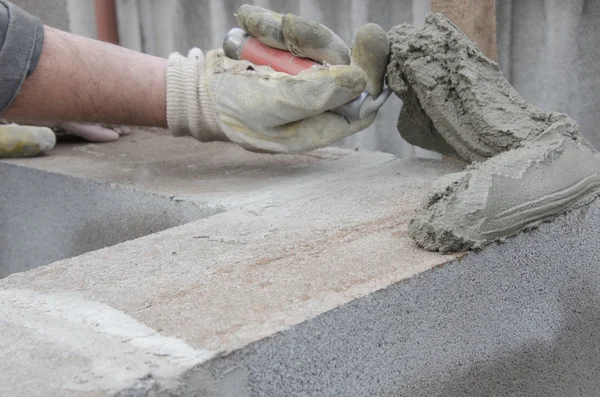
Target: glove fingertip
x: 45, y: 138
x: 244, y: 11
x: 371, y: 52
x: 346, y: 78
x: 91, y: 132
x: 350, y: 77
x: 263, y: 24
x: 310, y: 39
x: 25, y: 141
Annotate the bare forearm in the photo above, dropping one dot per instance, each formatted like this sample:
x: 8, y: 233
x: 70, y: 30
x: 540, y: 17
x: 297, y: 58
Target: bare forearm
x: 79, y: 79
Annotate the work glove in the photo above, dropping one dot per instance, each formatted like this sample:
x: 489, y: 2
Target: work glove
x: 213, y: 97
x: 31, y: 140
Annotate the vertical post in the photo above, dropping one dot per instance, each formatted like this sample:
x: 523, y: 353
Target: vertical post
x: 476, y: 18
x: 106, y: 21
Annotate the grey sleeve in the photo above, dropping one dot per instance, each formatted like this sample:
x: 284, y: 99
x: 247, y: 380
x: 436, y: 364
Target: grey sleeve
x: 21, y: 40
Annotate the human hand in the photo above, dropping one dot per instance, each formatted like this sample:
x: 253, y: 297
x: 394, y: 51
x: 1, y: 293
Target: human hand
x: 214, y: 97
x: 33, y: 140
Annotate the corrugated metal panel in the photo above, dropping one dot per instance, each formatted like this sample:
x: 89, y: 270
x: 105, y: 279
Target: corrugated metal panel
x: 52, y: 12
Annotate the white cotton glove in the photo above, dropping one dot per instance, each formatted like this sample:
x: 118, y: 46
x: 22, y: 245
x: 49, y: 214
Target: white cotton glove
x: 214, y: 97
x: 25, y: 141
x: 90, y: 132
x: 17, y: 140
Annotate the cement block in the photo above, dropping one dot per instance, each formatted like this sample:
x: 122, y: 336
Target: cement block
x: 72, y: 216
x: 304, y: 284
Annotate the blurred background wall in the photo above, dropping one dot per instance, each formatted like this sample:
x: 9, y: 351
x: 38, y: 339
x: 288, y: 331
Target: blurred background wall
x: 546, y: 48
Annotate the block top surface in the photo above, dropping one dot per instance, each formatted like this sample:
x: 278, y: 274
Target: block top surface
x: 299, y: 235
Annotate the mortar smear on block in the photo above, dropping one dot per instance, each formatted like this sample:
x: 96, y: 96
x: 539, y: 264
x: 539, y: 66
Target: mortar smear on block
x: 527, y: 165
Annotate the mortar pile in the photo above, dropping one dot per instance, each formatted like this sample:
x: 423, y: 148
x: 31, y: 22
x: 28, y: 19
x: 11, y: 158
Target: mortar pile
x: 526, y: 165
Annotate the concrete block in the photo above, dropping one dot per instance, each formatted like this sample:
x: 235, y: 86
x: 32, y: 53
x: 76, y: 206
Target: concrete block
x: 303, y: 283
x: 73, y: 216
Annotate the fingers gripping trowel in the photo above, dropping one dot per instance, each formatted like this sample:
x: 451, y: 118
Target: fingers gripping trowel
x: 241, y: 46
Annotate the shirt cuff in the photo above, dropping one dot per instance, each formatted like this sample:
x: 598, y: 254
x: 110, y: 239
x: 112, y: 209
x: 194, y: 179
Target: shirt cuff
x: 21, y: 41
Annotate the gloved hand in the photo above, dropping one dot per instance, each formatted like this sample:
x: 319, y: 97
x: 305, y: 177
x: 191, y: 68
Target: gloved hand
x: 32, y: 140
x: 214, y: 97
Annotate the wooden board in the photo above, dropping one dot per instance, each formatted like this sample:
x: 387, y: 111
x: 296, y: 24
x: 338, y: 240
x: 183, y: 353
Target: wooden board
x: 476, y: 18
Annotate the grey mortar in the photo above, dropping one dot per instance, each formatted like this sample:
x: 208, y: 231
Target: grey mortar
x: 526, y: 165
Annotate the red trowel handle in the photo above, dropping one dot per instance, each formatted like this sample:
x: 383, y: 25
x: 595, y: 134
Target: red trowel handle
x: 240, y: 45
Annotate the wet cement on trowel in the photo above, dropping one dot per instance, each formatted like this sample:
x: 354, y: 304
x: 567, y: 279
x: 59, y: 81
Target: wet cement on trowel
x: 526, y: 166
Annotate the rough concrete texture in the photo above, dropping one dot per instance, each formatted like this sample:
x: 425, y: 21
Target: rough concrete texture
x: 73, y: 216
x: 307, y: 284
x: 298, y: 236
x: 458, y: 103
x: 519, y: 319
